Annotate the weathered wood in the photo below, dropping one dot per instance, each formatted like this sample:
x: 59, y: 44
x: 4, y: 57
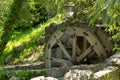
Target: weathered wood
x: 77, y: 48
x: 74, y: 48
x: 59, y: 60
x: 48, y: 58
x: 52, y: 40
x: 98, y: 48
x: 69, y: 47
x: 59, y: 53
x: 82, y: 56
x: 105, y: 40
x: 93, y: 40
x: 63, y: 49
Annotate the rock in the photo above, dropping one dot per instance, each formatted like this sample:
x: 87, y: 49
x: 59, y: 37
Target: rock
x: 14, y: 78
x: 113, y: 60
x: 38, y: 78
x: 8, y: 58
x: 66, y: 64
x: 19, y: 48
x: 108, y: 73
x: 43, y: 78
x: 50, y: 78
x: 41, y: 40
x: 78, y: 75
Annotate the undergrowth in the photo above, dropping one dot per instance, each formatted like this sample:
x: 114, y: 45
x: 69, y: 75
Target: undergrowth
x: 20, y: 74
x: 28, y: 38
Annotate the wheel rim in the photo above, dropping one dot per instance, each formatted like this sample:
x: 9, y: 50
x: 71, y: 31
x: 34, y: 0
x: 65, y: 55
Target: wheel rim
x: 65, y: 45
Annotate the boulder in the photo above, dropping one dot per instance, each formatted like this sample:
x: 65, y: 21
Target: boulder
x: 43, y: 78
x: 114, y: 60
x: 38, y: 78
x: 78, y: 75
x: 50, y: 78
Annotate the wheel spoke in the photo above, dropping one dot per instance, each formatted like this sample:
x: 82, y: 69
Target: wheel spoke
x: 82, y: 56
x: 63, y: 49
x: 77, y: 48
x: 74, y: 48
x: 48, y: 61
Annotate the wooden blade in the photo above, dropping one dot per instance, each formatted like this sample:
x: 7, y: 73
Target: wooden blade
x: 63, y: 49
x: 82, y: 56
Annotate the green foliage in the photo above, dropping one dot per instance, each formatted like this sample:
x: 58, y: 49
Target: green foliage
x: 108, y: 11
x: 4, y: 10
x: 21, y: 74
x: 103, y: 12
x: 27, y: 37
x: 34, y: 12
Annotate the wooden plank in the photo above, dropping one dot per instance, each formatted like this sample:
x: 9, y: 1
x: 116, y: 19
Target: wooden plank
x: 58, y: 53
x: 52, y: 41
x: 48, y: 58
x: 77, y: 48
x: 98, y: 48
x: 58, y: 35
x: 105, y: 40
x: 91, y: 54
x: 74, y: 48
x: 82, y: 56
x: 92, y: 39
x: 58, y: 60
x: 63, y: 49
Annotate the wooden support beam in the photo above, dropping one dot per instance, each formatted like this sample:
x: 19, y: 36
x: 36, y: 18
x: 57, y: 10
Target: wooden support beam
x: 58, y: 60
x: 48, y: 58
x: 63, y: 49
x: 57, y: 35
x: 74, y: 48
x: 59, y: 53
x: 98, y: 48
x: 82, y: 56
x: 105, y: 40
x: 77, y: 48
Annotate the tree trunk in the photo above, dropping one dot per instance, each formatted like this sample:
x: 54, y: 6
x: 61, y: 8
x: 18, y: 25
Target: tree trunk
x: 9, y: 23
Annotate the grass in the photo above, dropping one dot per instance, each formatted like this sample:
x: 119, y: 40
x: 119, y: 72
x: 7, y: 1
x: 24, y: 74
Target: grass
x: 27, y: 37
x: 20, y: 74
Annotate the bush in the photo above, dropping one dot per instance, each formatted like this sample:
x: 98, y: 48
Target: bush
x: 33, y: 13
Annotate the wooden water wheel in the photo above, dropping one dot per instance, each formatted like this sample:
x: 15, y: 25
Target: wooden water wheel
x: 77, y: 44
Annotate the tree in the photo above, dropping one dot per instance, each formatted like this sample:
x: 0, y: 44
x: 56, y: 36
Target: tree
x: 9, y: 23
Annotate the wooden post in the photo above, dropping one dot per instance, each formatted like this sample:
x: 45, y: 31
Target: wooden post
x: 74, y: 48
x: 48, y: 58
x: 63, y: 49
